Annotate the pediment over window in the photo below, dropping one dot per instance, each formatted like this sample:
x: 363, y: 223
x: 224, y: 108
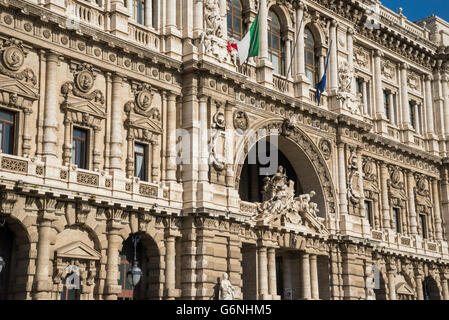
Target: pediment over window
x: 16, y: 94
x: 404, y: 289
x: 83, y: 106
x: 145, y: 124
x: 78, y: 250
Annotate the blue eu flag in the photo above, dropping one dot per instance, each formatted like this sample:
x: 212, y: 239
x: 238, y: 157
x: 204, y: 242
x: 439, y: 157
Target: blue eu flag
x: 320, y: 86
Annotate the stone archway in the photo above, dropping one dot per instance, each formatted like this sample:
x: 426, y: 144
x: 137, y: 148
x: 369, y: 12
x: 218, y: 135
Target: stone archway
x: 149, y: 261
x: 431, y: 289
x: 15, y: 246
x: 305, y: 157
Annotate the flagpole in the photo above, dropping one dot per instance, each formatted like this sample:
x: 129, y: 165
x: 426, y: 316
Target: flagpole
x: 251, y: 45
x: 293, y: 53
x: 324, y: 76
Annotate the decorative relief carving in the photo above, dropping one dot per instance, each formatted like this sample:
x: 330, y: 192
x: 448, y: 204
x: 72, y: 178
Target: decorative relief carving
x: 326, y: 148
x: 13, y: 58
x: 349, y: 101
x: 413, y: 81
x: 142, y: 103
x: 7, y: 202
x: 82, y: 212
x: 353, y: 179
x: 87, y: 178
x: 281, y: 207
x: 361, y: 57
x: 288, y: 126
x: 218, y: 119
x: 84, y: 82
x: 14, y: 165
x: 387, y: 69
x: 241, y: 121
x: 148, y: 191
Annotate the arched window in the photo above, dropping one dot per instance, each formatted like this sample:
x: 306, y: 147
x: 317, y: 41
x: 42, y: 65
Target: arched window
x: 276, y: 46
x: 235, y: 21
x: 310, y: 58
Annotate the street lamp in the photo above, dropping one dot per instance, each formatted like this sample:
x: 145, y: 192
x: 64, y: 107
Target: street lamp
x: 2, y: 264
x: 135, y: 274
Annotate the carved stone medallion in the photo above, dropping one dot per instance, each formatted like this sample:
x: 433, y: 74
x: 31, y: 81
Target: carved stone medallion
x: 241, y: 121
x: 13, y: 58
x: 326, y: 149
x: 144, y: 99
x: 84, y: 81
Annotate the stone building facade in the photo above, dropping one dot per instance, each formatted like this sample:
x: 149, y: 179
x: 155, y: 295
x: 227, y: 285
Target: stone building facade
x: 131, y: 117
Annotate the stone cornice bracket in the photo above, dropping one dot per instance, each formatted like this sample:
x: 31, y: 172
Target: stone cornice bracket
x: 83, y: 210
x: 47, y: 206
x: 7, y: 202
x: 114, y: 218
x: 172, y: 225
x: 144, y: 218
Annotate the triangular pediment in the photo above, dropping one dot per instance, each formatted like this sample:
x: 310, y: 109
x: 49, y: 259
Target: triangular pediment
x: 85, y: 106
x: 16, y: 86
x: 78, y: 250
x: 403, y: 288
x: 147, y: 123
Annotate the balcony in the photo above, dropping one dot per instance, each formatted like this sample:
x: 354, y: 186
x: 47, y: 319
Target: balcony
x: 85, y: 12
x: 144, y: 36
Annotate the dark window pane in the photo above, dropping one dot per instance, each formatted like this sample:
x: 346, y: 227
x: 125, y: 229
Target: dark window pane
x: 6, y: 116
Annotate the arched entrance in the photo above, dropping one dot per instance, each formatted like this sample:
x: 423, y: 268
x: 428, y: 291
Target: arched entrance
x: 15, y: 250
x: 148, y: 258
x: 430, y: 289
x: 6, y: 245
x: 299, y: 156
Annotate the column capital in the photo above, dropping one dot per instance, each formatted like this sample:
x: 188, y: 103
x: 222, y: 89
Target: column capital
x: 378, y: 53
x: 300, y: 5
x: 404, y: 66
x: 428, y: 77
x: 334, y: 23
x: 350, y: 31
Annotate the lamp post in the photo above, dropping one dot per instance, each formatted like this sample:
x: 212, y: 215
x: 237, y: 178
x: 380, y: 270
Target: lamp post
x: 135, y: 274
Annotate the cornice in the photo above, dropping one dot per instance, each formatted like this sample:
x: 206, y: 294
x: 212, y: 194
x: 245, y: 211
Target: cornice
x: 93, y: 34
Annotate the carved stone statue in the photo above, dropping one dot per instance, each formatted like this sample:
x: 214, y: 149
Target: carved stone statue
x: 226, y: 289
x: 280, y: 206
x: 349, y: 101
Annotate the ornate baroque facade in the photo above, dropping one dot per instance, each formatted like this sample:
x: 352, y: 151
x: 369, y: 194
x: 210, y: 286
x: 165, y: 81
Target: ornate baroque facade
x: 124, y: 117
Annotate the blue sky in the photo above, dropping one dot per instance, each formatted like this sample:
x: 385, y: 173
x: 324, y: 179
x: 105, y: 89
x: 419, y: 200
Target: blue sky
x: 418, y: 9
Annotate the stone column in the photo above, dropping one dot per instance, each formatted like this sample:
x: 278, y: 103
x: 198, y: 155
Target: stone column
x: 26, y: 145
x: 429, y: 105
x: 148, y: 15
x: 365, y: 96
x: 41, y: 279
x: 263, y: 273
x: 112, y: 288
x: 170, y: 267
x: 272, y: 290
x: 171, y: 13
x: 391, y: 272
x: 67, y: 154
x: 411, y: 203
x: 437, y: 212
x: 263, y: 30
x: 115, y: 162
x: 287, y: 276
x: 197, y: 18
x: 96, y: 150
x: 229, y: 143
x: 379, y: 98
x: 333, y: 59
x: 164, y: 135
x: 391, y: 109
x: 444, y: 276
x: 445, y: 92
x: 438, y: 105
x: 51, y: 106
x: 171, y: 138
x: 384, y: 176
x: 299, y: 55
x: 405, y: 101
x: 305, y: 276
x: 155, y: 162
x: 288, y: 54
x: 203, y: 166
x: 130, y: 154
x: 350, y: 42
x: 343, y: 192
x: 314, y: 277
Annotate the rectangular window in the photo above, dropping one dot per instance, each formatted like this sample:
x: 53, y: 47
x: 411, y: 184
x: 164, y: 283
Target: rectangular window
x: 423, y: 224
x: 80, y: 148
x: 138, y: 10
x: 7, y: 131
x: 369, y: 212
x: 419, y: 129
x: 387, y: 105
x: 396, y: 219
x: 412, y: 114
x: 140, y: 160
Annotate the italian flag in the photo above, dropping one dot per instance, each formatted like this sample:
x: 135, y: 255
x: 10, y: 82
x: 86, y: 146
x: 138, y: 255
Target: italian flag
x: 249, y: 45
